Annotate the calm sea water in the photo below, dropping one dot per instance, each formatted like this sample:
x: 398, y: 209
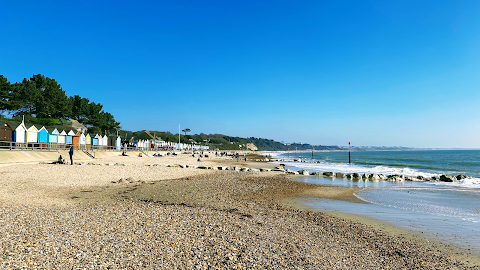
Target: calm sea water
x: 444, y: 211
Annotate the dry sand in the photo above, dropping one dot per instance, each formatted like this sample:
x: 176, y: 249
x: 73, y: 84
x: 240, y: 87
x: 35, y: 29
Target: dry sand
x: 159, y: 217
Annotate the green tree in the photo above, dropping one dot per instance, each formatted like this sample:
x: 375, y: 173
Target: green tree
x: 80, y: 108
x: 52, y: 101
x: 6, y: 94
x: 186, y: 131
x: 26, y: 96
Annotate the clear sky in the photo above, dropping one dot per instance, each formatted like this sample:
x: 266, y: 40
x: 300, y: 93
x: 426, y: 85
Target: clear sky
x: 391, y: 73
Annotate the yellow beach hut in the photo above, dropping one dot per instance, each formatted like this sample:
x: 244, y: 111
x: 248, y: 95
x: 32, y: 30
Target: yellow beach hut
x: 88, y: 141
x: 32, y: 134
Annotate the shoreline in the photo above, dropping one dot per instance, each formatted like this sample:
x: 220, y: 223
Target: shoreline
x: 391, y: 229
x: 234, y: 199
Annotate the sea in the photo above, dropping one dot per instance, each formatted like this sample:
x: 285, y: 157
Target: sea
x: 447, y: 212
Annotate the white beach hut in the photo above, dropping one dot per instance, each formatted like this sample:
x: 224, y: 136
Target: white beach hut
x: 83, y: 141
x: 19, y: 132
x: 61, y: 137
x: 118, y: 143
x: 105, y: 141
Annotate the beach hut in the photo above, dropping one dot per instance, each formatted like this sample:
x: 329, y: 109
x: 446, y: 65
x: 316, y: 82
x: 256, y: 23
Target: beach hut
x: 19, y: 133
x: 118, y: 143
x: 61, y: 138
x: 6, y: 132
x: 100, y: 141
x: 105, y: 142
x: 76, y: 140
x: 69, y: 137
x: 112, y: 140
x: 82, y: 141
x: 32, y: 134
x: 95, y: 142
x: 88, y: 141
x: 52, y: 136
x: 43, y: 137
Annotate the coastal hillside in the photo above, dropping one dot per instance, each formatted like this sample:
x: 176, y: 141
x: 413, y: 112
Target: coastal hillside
x: 224, y: 142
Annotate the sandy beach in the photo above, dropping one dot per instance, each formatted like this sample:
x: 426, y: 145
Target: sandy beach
x: 117, y: 212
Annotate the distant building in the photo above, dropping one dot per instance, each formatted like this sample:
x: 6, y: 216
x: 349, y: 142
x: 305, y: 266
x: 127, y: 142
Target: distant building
x: 77, y: 126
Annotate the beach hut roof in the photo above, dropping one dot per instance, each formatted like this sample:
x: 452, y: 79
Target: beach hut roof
x: 53, y: 130
x: 88, y: 135
x: 63, y: 133
x: 4, y: 123
x: 82, y: 135
x: 43, y: 128
x: 78, y: 134
x: 71, y: 133
x: 33, y: 128
x: 16, y: 125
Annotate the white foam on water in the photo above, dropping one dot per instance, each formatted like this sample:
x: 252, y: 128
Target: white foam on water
x: 464, y: 183
x: 349, y: 168
x: 470, y: 183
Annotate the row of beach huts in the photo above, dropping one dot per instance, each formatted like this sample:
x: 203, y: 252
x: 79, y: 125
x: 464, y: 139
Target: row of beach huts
x: 18, y: 135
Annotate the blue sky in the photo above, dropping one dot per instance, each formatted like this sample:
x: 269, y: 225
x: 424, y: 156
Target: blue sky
x: 392, y: 73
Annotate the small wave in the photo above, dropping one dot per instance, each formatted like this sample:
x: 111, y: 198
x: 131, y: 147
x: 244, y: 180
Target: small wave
x: 416, y: 205
x: 348, y: 168
x: 464, y: 183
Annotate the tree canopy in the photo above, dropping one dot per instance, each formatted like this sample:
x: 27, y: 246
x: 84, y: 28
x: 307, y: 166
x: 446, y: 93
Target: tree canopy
x: 43, y: 97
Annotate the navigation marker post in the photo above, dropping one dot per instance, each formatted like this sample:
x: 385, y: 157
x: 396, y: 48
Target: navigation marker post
x: 349, y: 161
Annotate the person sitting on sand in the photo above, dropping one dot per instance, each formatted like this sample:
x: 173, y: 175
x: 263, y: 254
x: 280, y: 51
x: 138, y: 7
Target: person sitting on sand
x: 139, y: 154
x: 124, y: 153
x: 60, y: 160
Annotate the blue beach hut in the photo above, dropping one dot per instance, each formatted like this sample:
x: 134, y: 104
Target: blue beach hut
x: 95, y: 141
x: 53, y: 135
x: 43, y: 135
x: 69, y: 137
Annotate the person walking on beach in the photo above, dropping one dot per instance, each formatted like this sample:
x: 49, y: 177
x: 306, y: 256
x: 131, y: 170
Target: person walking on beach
x: 71, y: 155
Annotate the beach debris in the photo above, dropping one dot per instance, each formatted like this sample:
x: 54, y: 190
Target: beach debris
x: 265, y: 170
x: 448, y: 178
x: 254, y: 170
x: 222, y: 168
x: 120, y: 164
x: 244, y: 169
